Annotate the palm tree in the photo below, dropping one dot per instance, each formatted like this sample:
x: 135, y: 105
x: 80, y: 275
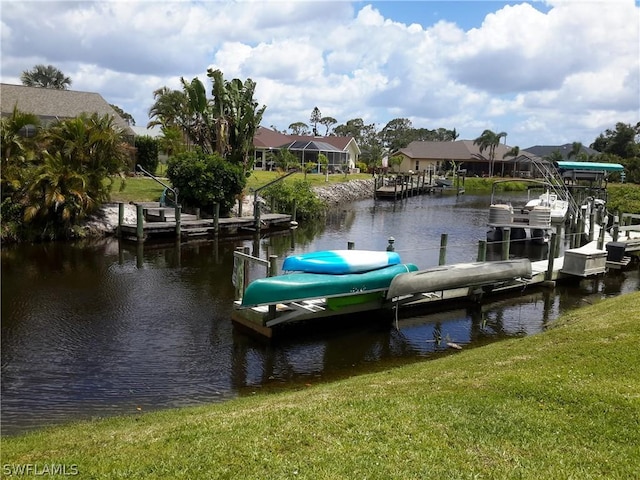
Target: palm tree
x: 489, y: 141
x: 59, y: 195
x: 514, y: 152
x: 45, y: 77
x: 17, y: 149
x: 92, y: 146
x: 169, y: 108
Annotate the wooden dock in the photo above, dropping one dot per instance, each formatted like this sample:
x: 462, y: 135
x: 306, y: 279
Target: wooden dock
x: 155, y: 222
x: 406, y: 185
x: 596, y: 257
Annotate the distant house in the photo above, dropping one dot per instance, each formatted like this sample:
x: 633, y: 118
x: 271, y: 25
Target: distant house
x: 543, y: 151
x: 342, y: 152
x: 51, y: 104
x: 433, y: 156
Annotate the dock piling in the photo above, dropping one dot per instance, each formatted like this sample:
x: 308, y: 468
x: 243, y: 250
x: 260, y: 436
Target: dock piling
x: 443, y: 249
x: 482, y: 251
x: 120, y: 218
x: 506, y: 243
x: 139, y: 223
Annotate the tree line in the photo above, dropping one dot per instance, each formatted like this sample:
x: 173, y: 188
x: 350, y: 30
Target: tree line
x: 55, y: 176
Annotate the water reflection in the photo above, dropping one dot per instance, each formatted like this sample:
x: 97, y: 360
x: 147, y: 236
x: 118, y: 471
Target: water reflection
x: 104, y: 328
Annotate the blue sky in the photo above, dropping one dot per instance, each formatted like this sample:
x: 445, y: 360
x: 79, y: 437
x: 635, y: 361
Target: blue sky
x: 547, y: 73
x: 467, y: 14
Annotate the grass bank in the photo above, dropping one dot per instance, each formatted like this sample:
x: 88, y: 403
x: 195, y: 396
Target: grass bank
x: 144, y: 189
x: 561, y: 404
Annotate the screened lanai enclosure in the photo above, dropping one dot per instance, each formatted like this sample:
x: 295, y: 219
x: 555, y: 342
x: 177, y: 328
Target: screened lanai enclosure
x: 308, y: 151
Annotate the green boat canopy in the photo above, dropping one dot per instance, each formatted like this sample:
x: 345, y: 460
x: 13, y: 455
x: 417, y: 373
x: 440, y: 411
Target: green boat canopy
x: 590, y: 166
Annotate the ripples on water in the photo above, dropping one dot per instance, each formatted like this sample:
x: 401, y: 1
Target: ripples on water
x: 105, y: 328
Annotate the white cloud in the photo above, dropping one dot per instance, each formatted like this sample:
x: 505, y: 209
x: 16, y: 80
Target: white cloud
x: 568, y: 73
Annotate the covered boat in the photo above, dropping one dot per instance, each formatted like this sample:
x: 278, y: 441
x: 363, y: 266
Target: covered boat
x: 447, y: 277
x: 337, y: 262
x: 301, y: 286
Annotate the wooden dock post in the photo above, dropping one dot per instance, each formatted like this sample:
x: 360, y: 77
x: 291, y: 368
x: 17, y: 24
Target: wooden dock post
x: 482, y: 251
x: 578, y: 237
x: 120, y: 219
x: 295, y: 208
x: 601, y: 237
x: 216, y: 218
x: 506, y: 243
x: 592, y: 221
x: 556, y: 252
x: 139, y: 223
x: 272, y: 272
x: 552, y: 249
x: 616, y: 228
x: 178, y: 220
x: 443, y: 249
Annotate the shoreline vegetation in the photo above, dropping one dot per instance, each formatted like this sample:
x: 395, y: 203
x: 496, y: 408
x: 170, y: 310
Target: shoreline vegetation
x: 624, y: 198
x: 564, y: 403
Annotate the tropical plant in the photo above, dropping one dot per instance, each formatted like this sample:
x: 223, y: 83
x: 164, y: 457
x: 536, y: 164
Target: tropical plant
x: 283, y: 195
x: 199, y: 123
x: 169, y: 108
x: 394, y: 162
x: 17, y: 149
x: 283, y: 159
x: 323, y: 161
x: 59, y: 196
x: 236, y: 109
x: 45, y: 76
x: 489, y: 140
x: 204, y: 180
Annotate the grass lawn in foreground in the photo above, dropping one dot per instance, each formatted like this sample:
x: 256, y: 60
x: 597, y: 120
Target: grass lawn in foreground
x: 557, y: 405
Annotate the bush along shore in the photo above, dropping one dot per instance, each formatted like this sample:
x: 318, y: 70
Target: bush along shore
x: 564, y: 403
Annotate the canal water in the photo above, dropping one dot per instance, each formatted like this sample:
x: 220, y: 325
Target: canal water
x: 104, y: 328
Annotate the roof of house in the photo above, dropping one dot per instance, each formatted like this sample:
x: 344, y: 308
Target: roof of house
x: 267, y: 138
x: 460, y: 150
x: 50, y: 103
x: 564, y: 150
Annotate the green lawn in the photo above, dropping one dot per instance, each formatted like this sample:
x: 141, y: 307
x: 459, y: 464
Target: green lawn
x: 145, y: 189
x: 557, y: 405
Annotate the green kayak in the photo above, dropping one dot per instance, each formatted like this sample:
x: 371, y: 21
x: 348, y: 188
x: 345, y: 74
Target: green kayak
x: 300, y: 286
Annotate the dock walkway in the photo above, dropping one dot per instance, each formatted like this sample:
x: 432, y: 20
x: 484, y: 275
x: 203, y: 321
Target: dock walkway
x: 154, y: 221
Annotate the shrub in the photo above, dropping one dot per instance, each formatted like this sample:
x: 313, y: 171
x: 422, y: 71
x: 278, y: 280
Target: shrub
x: 147, y: 155
x: 283, y: 195
x: 203, y: 180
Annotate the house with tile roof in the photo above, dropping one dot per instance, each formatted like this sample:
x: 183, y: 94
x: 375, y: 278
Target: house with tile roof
x: 421, y: 156
x: 342, y: 152
x: 51, y: 104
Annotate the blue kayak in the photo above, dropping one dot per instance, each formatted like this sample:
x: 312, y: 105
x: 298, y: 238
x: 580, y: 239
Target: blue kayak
x: 300, y: 286
x: 337, y: 262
